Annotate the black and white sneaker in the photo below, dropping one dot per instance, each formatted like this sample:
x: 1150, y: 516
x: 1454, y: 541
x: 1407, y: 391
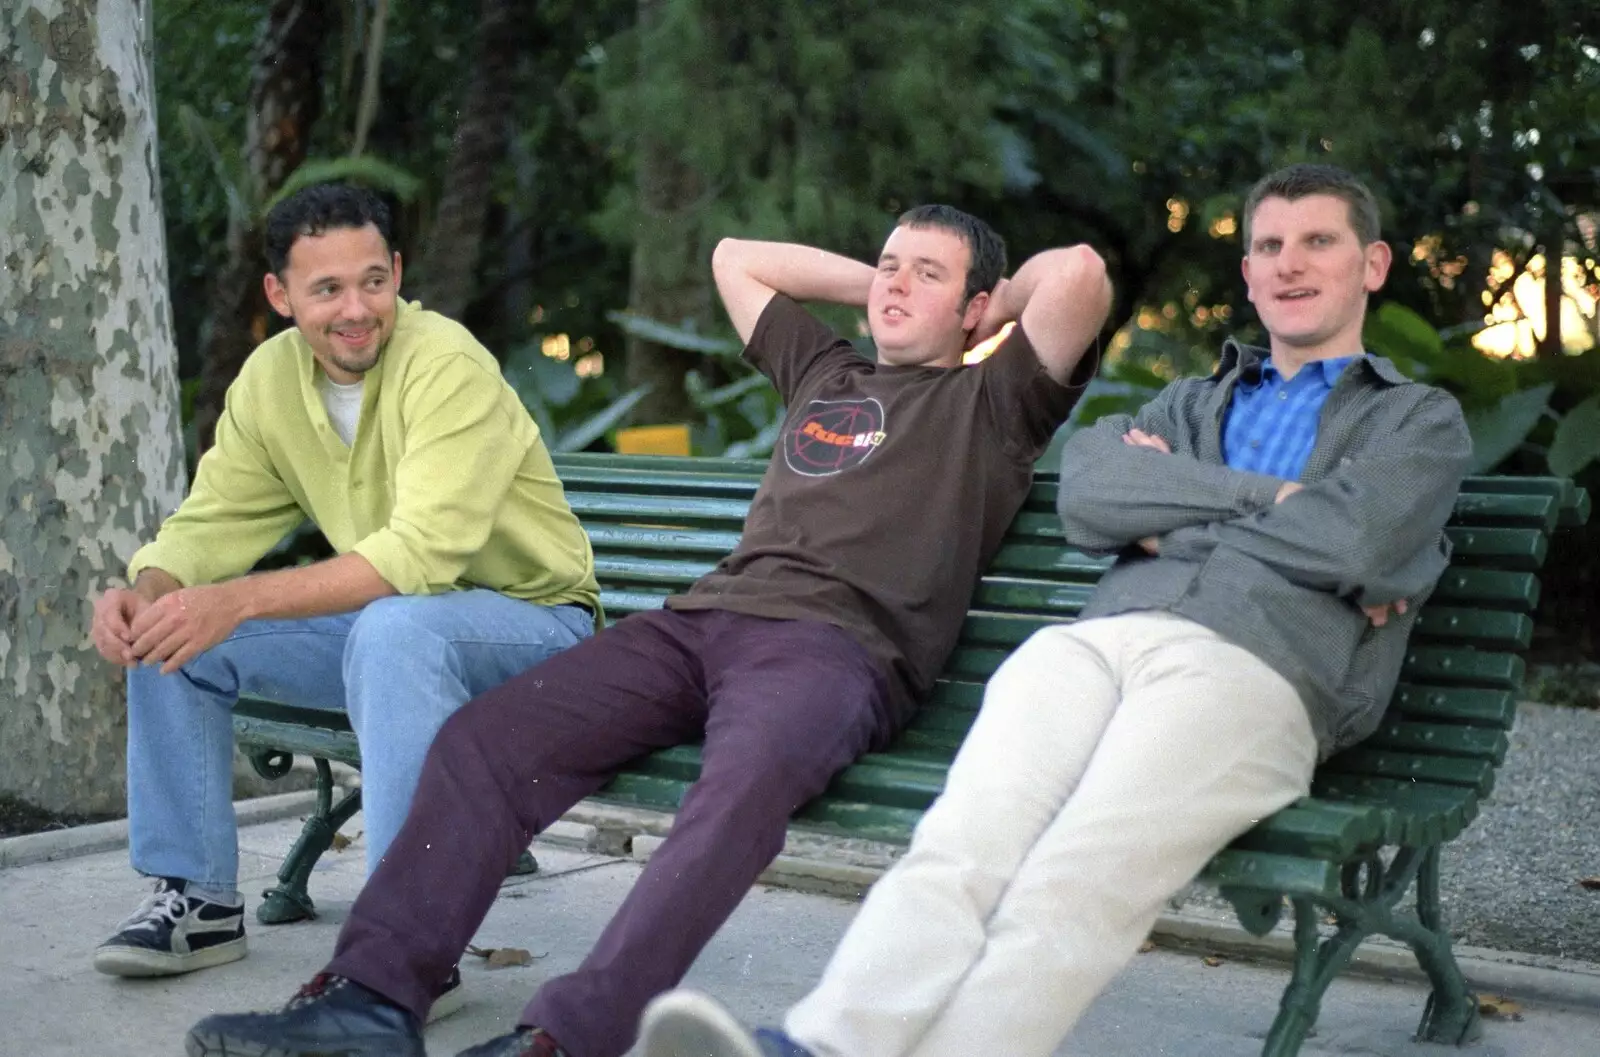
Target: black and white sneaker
x: 173, y: 933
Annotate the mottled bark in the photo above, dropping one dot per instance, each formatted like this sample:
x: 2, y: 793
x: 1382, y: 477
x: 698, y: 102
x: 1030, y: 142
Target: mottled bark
x: 88, y: 390
x: 671, y: 276
x: 285, y: 97
x: 449, y: 263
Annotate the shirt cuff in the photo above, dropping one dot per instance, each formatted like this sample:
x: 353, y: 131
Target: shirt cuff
x: 173, y: 561
x: 394, y: 562
x: 1256, y: 491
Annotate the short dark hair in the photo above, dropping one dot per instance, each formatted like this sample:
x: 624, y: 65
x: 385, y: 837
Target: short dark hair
x: 1299, y: 181
x: 319, y: 208
x: 986, y: 247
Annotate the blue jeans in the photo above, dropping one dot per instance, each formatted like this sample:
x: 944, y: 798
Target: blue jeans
x: 399, y: 666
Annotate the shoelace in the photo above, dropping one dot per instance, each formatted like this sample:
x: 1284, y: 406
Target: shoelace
x: 164, y: 906
x: 319, y: 986
x: 536, y: 1042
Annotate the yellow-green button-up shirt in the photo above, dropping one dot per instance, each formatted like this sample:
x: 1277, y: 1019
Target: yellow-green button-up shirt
x: 447, y: 486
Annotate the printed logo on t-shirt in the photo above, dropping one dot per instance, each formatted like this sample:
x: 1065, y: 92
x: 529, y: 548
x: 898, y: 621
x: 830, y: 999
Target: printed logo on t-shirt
x: 833, y: 436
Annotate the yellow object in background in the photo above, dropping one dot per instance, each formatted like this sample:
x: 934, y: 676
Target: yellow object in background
x: 983, y: 350
x: 654, y: 440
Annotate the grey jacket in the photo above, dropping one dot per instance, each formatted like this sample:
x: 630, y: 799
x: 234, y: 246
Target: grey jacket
x: 1286, y: 581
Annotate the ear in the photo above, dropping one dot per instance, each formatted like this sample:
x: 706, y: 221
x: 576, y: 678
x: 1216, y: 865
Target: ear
x: 1379, y: 258
x: 972, y: 315
x: 397, y: 272
x: 278, y: 296
x: 1244, y: 270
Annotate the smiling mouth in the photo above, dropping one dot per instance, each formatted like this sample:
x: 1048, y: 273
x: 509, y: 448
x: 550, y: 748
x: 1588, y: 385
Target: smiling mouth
x: 1297, y: 295
x: 355, y: 337
x: 894, y: 312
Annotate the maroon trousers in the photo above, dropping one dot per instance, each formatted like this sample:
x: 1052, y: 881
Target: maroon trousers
x: 783, y: 706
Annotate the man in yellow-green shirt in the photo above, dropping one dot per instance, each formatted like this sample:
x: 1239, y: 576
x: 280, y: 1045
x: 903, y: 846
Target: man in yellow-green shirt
x: 459, y: 565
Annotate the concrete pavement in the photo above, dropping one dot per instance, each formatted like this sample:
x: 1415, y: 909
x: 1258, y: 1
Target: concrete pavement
x: 1170, y: 1003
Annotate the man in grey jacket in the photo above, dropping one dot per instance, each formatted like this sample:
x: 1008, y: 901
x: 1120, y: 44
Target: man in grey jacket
x: 1277, y: 526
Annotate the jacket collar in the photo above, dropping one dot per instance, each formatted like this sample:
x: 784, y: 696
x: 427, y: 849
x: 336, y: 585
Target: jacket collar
x: 1237, y: 356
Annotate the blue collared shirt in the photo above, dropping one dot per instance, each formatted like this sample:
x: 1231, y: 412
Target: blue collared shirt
x: 1272, y: 421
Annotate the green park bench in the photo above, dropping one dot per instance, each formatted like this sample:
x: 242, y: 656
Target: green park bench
x: 1371, y: 831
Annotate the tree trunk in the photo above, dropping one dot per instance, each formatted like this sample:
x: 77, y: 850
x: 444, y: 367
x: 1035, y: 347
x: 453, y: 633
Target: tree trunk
x: 88, y: 388
x: 1555, y: 247
x: 671, y: 276
x: 285, y: 98
x: 483, y: 132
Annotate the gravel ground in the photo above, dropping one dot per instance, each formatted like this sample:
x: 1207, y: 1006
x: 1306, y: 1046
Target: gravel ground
x: 1510, y: 882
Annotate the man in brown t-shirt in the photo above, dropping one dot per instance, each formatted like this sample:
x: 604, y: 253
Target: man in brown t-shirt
x: 806, y: 647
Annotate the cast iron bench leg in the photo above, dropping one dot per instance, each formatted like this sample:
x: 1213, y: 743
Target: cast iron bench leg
x: 288, y: 900
x: 1316, y: 963
x: 1451, y: 1015
x: 1371, y: 890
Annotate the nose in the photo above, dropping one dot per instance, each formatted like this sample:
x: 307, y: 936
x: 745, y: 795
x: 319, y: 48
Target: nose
x: 1291, y: 260
x: 897, y: 279
x: 351, y: 305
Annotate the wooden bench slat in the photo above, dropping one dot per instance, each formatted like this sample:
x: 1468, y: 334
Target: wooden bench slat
x: 667, y: 511
x: 256, y: 735
x: 1315, y: 828
x: 1474, y: 705
x: 1033, y: 595
x: 1493, y: 629
x: 1508, y: 548
x: 1497, y: 509
x: 1291, y: 875
x: 1494, y: 588
x: 1521, y: 510
x: 1004, y: 630
x: 956, y: 693
x: 1047, y: 559
x: 1477, y: 775
x: 1574, y: 501
x: 629, y: 539
x: 1415, y: 813
x: 1399, y: 735
x: 1463, y: 667
x: 657, y: 482
x: 867, y: 821
x: 633, y: 570
x: 692, y: 464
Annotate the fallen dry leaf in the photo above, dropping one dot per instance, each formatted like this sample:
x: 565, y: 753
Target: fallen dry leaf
x: 1147, y: 946
x: 1499, y: 1006
x: 501, y: 957
x: 1211, y: 961
x: 1591, y: 883
x: 340, y: 842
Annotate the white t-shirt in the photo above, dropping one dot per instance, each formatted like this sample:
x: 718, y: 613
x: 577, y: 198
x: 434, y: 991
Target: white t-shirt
x: 344, y: 407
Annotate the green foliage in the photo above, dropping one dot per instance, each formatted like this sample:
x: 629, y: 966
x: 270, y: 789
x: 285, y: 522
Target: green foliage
x: 675, y: 337
x: 806, y: 121
x: 571, y: 412
x: 1576, y: 442
x: 202, y: 67
x: 374, y: 173
x: 738, y: 419
x: 1511, y: 406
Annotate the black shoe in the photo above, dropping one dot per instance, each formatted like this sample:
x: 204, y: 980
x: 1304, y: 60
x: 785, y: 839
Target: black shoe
x: 329, y: 1017
x: 173, y: 933
x: 524, y: 1042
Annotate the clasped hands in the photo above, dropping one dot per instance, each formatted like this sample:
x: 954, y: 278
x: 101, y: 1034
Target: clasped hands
x: 1138, y: 438
x: 172, y: 630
